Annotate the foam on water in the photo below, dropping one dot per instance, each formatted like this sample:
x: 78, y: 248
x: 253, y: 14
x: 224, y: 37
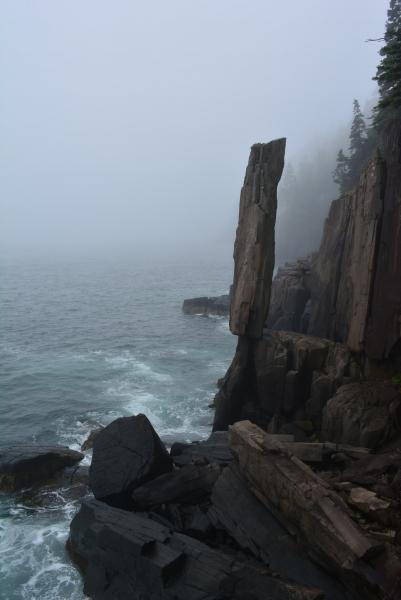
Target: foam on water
x: 81, y: 355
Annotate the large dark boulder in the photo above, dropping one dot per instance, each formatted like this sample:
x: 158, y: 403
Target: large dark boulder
x: 189, y: 485
x: 127, y: 453
x: 364, y: 414
x: 24, y: 466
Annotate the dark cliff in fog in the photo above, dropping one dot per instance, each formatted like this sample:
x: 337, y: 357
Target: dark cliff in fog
x: 350, y: 290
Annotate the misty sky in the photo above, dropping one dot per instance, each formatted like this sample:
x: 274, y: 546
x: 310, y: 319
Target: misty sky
x: 126, y: 125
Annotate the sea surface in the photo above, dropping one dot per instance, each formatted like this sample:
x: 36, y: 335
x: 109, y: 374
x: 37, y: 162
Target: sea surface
x: 82, y: 343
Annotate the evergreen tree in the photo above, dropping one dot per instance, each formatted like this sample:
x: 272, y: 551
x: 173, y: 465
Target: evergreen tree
x: 388, y: 74
x: 341, y: 173
x: 349, y: 167
x: 359, y: 147
x: 357, y: 137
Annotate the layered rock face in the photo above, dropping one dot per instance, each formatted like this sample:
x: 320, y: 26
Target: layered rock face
x: 283, y: 382
x: 290, y: 297
x: 354, y: 279
x: 254, y: 243
x: 383, y: 331
x: 344, y: 270
x: 349, y: 292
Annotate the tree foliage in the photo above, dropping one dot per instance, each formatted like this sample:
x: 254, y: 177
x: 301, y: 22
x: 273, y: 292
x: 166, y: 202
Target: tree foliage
x: 388, y: 75
x: 349, y: 166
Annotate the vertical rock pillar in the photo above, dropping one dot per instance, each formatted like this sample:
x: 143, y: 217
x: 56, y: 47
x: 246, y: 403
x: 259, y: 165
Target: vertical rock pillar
x: 253, y: 272
x: 254, y: 243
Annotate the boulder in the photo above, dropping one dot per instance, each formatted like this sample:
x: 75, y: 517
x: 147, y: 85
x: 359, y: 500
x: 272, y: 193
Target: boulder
x: 254, y: 243
x: 364, y: 413
x: 127, y: 453
x: 24, y: 466
x: 189, y: 485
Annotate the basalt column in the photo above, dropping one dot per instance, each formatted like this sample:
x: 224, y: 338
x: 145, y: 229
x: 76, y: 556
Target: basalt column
x: 254, y: 244
x: 253, y: 271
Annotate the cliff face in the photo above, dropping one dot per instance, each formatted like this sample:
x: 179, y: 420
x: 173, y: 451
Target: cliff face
x: 343, y: 273
x: 353, y: 282
x: 383, y: 332
x: 254, y: 243
x: 345, y: 301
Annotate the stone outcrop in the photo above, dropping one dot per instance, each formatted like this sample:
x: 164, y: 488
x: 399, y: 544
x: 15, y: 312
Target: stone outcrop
x: 366, y: 413
x: 315, y: 513
x: 254, y: 243
x: 126, y: 453
x: 24, y: 466
x: 354, y: 279
x: 262, y: 525
x: 207, y: 306
x: 343, y: 273
x: 290, y: 295
x: 383, y: 331
x: 126, y: 555
x: 283, y: 381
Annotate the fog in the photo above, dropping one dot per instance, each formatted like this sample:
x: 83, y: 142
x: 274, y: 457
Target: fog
x: 126, y: 126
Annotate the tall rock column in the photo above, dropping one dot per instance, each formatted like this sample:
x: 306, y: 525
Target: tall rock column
x: 254, y: 243
x: 253, y: 271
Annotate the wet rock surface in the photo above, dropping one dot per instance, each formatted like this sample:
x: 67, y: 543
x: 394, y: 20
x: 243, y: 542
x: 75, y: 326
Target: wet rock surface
x: 24, y: 466
x: 207, y: 306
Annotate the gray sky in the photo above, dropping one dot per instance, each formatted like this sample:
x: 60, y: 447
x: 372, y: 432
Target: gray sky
x: 126, y: 125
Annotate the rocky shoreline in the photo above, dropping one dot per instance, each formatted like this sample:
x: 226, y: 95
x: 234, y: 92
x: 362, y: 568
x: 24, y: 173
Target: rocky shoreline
x: 296, y: 493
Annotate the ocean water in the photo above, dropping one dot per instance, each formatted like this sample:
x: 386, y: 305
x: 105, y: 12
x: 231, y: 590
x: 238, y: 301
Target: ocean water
x: 82, y: 343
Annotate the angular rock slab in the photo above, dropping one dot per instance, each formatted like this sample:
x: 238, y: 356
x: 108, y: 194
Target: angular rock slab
x: 24, y: 466
x: 213, y: 450
x: 189, y: 485
x: 307, y: 506
x: 254, y: 243
x: 254, y: 527
x: 129, y: 556
x: 126, y: 453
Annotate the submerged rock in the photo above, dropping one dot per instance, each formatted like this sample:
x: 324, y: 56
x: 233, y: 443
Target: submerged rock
x: 127, y: 453
x: 215, y: 305
x: 24, y: 466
